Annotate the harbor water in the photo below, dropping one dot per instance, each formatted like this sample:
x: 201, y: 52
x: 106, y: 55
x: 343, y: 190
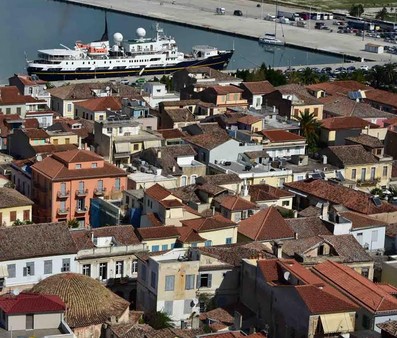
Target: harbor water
x: 29, y: 25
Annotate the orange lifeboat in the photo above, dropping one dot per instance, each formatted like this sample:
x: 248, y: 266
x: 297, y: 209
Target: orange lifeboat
x: 97, y: 50
x: 81, y: 45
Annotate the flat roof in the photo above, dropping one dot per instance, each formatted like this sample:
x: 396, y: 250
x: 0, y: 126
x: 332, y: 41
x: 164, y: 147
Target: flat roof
x: 30, y: 333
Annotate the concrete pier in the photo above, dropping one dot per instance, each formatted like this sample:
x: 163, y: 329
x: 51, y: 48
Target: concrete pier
x: 202, y: 14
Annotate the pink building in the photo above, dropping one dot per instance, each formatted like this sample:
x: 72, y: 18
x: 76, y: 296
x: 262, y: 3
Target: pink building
x: 64, y: 183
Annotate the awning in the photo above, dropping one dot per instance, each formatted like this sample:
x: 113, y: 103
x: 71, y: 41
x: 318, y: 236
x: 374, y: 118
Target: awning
x: 336, y: 322
x: 122, y: 147
x: 3, y: 271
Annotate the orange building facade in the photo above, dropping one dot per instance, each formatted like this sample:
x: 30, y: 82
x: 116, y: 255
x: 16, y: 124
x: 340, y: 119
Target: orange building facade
x: 65, y: 183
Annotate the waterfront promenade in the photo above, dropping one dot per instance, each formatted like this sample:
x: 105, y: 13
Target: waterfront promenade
x: 202, y: 14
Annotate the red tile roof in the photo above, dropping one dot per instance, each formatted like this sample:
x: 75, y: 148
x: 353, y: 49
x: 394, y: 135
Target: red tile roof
x: 101, y: 103
x: 10, y: 95
x: 35, y: 134
x: 358, y: 288
x: 226, y: 334
x: 354, y: 200
x: 189, y: 235
x: 223, y: 90
x: 236, y: 203
x: 28, y: 81
x: 157, y: 192
x: 281, y: 136
x: 258, y: 87
x: 157, y: 232
x: 360, y: 221
x: 381, y: 96
x: 265, y: 225
x: 265, y: 192
x: 249, y: 119
x: 346, y: 122
x: 171, y: 133
x: 31, y: 303
x: 77, y: 156
x: 338, y: 87
x: 208, y: 141
x: 209, y: 223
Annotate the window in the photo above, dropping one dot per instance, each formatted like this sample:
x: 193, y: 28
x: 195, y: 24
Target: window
x: 155, y: 248
x: 366, y: 322
x: 229, y: 240
x: 136, y: 146
x: 13, y: 216
x: 55, y: 141
x: 363, y: 173
x: 117, y: 184
x: 87, y: 270
x: 183, y: 181
x: 208, y: 243
x: 26, y: 215
x: 168, y: 307
x: 11, y: 268
x: 354, y: 174
x: 78, y: 166
x: 169, y: 283
x: 67, y: 140
x: 47, y: 267
x: 187, y: 308
x: 119, y: 268
x: 384, y: 173
x: 93, y: 165
x: 8, y: 110
x: 193, y: 179
x: 81, y: 187
x: 189, y: 282
x: 65, y: 265
x: 285, y: 203
x: 19, y: 111
x: 360, y: 237
x: 374, y: 236
x: 281, y: 182
x: 69, y: 107
x: 204, y: 280
x: 28, y: 270
x: 194, y: 245
x: 103, y: 271
x: 373, y: 173
x: 365, y: 272
x: 164, y: 247
x: 153, y: 279
x: 134, y: 267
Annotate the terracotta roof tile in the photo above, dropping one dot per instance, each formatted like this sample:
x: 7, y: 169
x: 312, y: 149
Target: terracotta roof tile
x: 258, y: 87
x: 157, y: 232
x: 157, y: 192
x: 281, y: 136
x: 338, y: 87
x: 235, y: 203
x: 349, y: 155
x: 381, y: 96
x: 346, y: 122
x: 389, y: 327
x: 53, y: 148
x: 354, y: 200
x: 171, y: 133
x: 189, y: 235
x: 10, y: 198
x: 30, y: 303
x: 366, y: 141
x: 77, y: 156
x: 28, y: 80
x: 360, y: 221
x: 223, y: 90
x: 208, y: 141
x: 360, y: 289
x: 10, y: 95
x: 34, y: 134
x: 179, y: 114
x: 265, y: 192
x: 219, y: 179
x: 209, y: 223
x: 310, y: 211
x: 265, y: 225
x: 35, y: 240
x: 249, y: 119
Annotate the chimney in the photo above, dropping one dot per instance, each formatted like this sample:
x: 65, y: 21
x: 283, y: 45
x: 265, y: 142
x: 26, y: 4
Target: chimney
x: 278, y: 249
x: 325, y: 159
x: 159, y: 155
x: 324, y: 211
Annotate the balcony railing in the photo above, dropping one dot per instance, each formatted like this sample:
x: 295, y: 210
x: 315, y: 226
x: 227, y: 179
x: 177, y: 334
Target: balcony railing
x: 81, y: 210
x: 63, y: 194
x: 81, y: 193
x: 63, y: 211
x: 99, y: 191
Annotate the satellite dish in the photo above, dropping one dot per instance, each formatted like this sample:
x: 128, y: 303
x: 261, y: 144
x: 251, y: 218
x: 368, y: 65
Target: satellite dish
x: 15, y: 292
x: 287, y: 275
x: 141, y: 32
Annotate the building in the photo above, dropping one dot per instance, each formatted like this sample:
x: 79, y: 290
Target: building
x: 376, y: 303
x: 25, y: 313
x: 235, y: 207
x: 15, y: 208
x: 30, y: 253
x: 292, y: 301
x: 223, y: 96
x: 89, y: 304
x: 157, y: 92
x: 96, y: 109
x: 64, y: 183
x: 281, y: 143
x: 31, y: 86
x: 266, y: 195
x: 255, y: 91
x: 13, y: 102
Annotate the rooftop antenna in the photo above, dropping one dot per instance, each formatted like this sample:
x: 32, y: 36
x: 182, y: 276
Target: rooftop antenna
x: 105, y: 36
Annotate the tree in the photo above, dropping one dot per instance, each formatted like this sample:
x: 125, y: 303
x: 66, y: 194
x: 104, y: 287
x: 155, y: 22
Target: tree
x: 73, y: 223
x: 356, y: 10
x: 159, y: 320
x: 309, y: 127
x: 381, y: 14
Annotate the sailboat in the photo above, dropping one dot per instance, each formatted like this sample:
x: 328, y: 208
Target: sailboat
x: 271, y: 38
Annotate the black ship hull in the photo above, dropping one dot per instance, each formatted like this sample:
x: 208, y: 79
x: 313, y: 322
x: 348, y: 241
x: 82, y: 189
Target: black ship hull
x: 218, y: 62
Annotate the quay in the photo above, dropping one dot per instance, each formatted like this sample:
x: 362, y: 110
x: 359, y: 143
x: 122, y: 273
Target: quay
x: 251, y: 25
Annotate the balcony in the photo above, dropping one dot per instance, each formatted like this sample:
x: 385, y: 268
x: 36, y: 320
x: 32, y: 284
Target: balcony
x: 63, y: 211
x: 63, y: 194
x: 99, y: 191
x: 81, y: 210
x: 81, y: 193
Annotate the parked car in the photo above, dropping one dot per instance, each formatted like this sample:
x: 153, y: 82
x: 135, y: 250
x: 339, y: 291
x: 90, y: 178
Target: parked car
x: 351, y: 69
x: 364, y: 67
x: 237, y: 12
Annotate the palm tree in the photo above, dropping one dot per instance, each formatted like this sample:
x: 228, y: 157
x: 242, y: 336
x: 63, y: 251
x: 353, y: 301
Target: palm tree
x: 309, y: 76
x: 309, y: 127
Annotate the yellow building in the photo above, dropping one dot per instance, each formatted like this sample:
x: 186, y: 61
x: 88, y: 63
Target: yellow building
x: 15, y: 207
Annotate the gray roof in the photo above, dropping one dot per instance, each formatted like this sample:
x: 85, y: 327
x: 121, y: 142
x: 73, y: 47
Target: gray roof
x: 350, y: 154
x: 35, y: 240
x: 308, y: 226
x: 11, y: 198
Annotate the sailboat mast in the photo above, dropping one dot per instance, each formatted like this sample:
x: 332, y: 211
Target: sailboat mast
x: 275, y: 21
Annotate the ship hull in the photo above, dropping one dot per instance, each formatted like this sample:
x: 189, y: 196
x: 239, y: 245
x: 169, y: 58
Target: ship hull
x: 218, y: 62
